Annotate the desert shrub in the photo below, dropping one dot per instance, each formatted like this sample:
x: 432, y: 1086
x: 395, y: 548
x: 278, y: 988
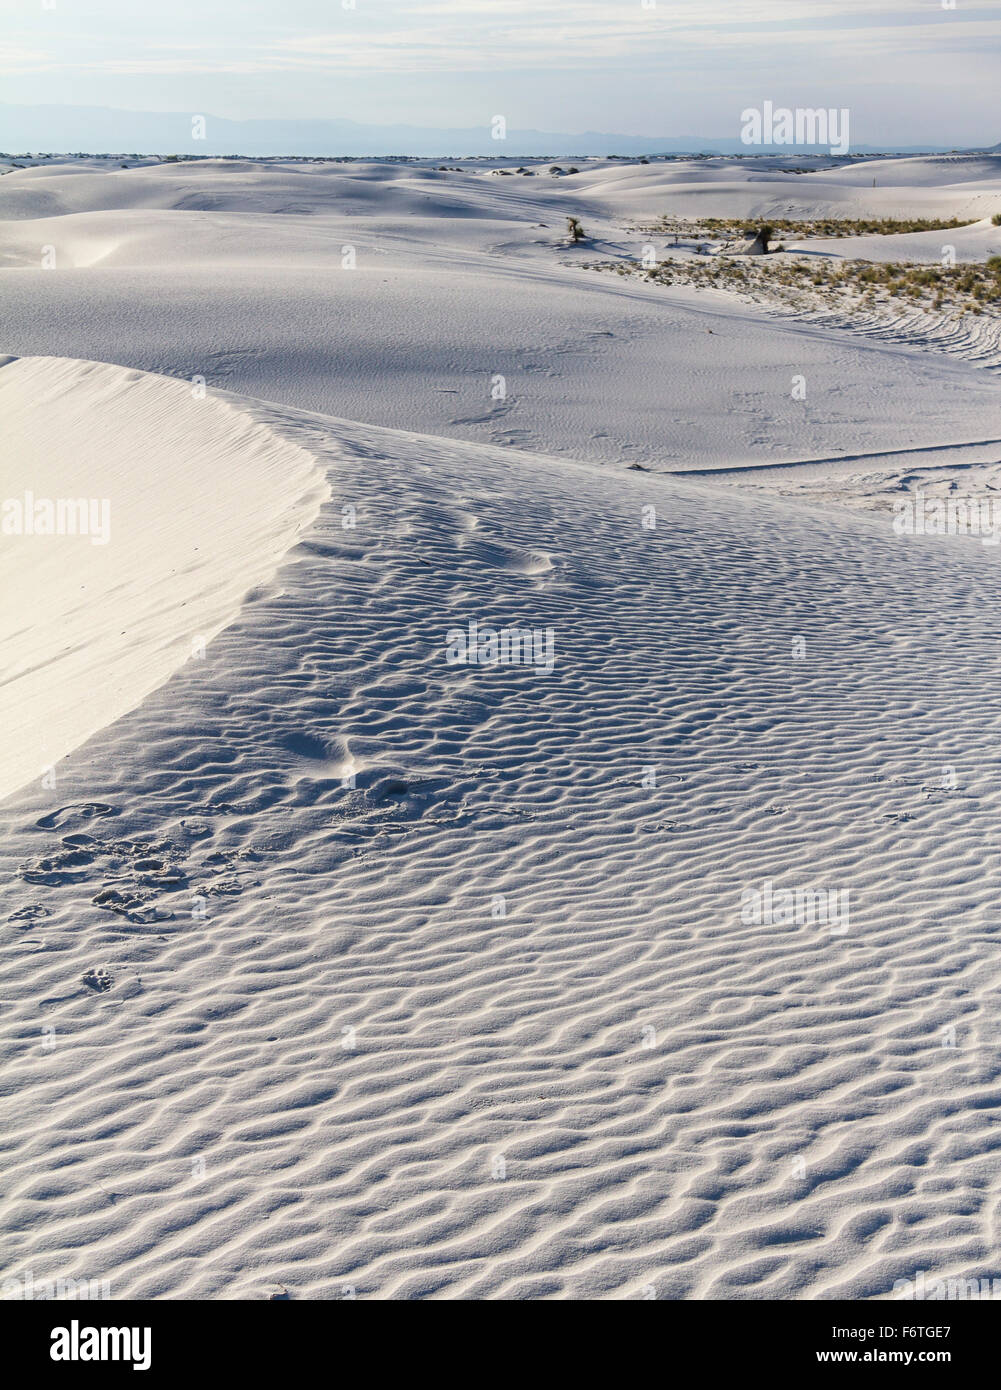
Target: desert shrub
x: 969, y: 288
x: 824, y: 227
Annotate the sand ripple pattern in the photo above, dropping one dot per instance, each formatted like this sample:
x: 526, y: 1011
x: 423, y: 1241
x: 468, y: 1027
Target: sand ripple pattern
x: 264, y: 1030
x: 973, y: 338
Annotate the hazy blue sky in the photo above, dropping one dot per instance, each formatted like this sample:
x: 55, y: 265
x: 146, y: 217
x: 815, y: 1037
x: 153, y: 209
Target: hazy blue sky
x: 911, y: 71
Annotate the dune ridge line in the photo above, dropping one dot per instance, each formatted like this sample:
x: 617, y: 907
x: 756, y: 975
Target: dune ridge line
x: 136, y: 514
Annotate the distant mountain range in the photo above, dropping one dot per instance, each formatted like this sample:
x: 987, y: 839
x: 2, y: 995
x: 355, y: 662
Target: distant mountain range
x: 102, y: 130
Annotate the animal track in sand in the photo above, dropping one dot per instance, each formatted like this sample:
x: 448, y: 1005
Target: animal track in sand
x: 100, y: 980
x: 31, y: 913
x: 137, y: 874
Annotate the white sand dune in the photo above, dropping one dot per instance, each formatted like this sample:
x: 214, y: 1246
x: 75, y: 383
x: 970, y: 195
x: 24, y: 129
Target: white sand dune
x: 331, y: 966
x: 458, y: 279
x: 490, y: 1024
x: 188, y: 505
x: 973, y: 243
x: 925, y: 186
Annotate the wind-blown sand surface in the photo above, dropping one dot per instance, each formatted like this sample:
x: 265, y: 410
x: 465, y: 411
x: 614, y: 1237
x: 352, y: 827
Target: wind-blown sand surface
x: 331, y: 967
x: 232, y: 271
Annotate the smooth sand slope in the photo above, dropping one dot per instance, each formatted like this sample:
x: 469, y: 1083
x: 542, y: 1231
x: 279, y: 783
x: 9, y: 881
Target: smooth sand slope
x: 137, y: 513
x: 490, y: 1024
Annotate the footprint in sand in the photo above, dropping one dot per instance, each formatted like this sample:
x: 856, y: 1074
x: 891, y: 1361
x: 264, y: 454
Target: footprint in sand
x: 84, y: 810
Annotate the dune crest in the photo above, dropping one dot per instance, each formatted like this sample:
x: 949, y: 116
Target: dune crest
x: 136, y: 512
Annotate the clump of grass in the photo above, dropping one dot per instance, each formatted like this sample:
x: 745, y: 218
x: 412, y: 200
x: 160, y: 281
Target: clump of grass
x: 817, y: 227
x: 964, y: 288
